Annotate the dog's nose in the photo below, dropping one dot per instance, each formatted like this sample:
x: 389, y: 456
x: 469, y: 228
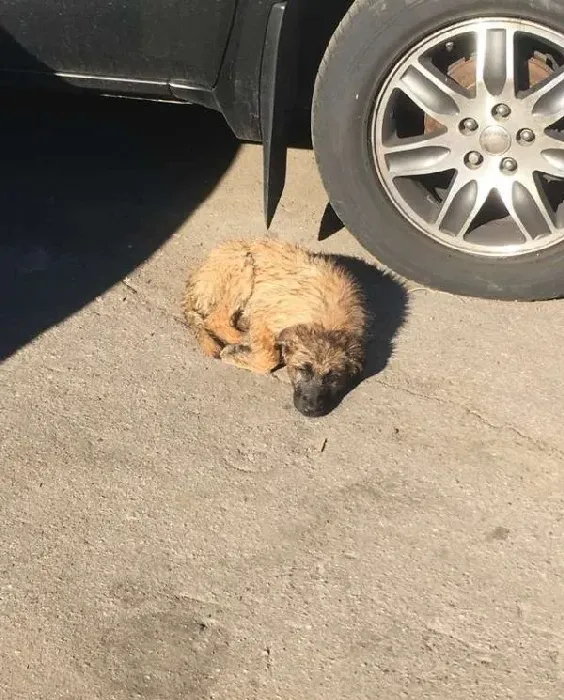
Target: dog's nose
x: 310, y: 409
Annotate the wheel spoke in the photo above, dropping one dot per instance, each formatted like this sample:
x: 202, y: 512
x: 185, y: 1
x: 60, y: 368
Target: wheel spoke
x: 461, y: 206
x: 551, y: 161
x: 546, y: 100
x: 457, y: 184
x: 434, y: 93
x: 547, y: 155
x: 420, y: 155
x: 495, y: 62
x: 527, y: 206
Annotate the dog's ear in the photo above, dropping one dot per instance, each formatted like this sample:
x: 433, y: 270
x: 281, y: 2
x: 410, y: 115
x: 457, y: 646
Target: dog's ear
x: 286, y: 337
x: 286, y: 340
x: 355, y: 353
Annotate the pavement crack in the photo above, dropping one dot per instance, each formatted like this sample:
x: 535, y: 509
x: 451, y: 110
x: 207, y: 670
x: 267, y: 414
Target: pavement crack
x: 451, y: 634
x: 542, y: 446
x: 150, y: 304
x: 127, y: 283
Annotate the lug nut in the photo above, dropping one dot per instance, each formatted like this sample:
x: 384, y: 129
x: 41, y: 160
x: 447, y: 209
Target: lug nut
x: 526, y: 136
x: 468, y: 125
x: 501, y: 111
x: 509, y: 165
x: 474, y: 159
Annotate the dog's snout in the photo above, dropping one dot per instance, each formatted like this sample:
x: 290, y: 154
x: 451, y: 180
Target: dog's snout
x: 312, y: 410
x: 310, y: 406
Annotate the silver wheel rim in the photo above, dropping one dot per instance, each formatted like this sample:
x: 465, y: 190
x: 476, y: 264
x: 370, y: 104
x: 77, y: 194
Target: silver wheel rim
x: 471, y: 152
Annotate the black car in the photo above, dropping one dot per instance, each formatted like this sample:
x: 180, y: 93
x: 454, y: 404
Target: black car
x: 437, y: 124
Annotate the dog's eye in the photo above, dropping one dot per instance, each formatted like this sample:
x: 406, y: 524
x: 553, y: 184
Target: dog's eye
x: 306, y: 370
x: 332, y: 377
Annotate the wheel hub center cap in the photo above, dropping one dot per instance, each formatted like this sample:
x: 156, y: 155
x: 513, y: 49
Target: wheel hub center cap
x: 495, y: 140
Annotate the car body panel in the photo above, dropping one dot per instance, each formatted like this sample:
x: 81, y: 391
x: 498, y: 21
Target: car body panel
x: 235, y: 56
x: 133, y: 39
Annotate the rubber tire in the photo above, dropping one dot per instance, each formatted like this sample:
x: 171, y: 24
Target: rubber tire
x: 368, y: 43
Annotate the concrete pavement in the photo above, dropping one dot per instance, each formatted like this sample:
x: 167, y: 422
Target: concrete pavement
x: 172, y: 529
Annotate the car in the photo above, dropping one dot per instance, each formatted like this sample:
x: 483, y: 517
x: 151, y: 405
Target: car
x: 437, y: 125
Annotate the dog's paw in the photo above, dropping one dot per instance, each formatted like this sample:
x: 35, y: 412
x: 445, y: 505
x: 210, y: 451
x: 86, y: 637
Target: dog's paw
x: 194, y: 319
x: 233, y: 353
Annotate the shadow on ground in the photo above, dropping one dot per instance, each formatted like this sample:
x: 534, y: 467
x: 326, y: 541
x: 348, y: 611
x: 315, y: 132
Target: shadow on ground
x: 387, y: 302
x: 89, y: 189
x: 330, y: 224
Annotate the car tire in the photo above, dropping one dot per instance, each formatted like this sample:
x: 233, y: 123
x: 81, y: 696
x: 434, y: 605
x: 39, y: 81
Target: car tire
x: 370, y: 41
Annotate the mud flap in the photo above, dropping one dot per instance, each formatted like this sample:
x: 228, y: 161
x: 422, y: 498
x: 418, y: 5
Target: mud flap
x: 277, y: 93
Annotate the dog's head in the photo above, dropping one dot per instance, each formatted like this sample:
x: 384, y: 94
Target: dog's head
x: 322, y: 365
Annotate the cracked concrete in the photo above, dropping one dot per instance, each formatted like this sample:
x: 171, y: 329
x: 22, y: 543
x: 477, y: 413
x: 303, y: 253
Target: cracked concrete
x: 171, y: 528
x: 542, y: 446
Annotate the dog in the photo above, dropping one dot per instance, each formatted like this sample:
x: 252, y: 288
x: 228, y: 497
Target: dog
x: 260, y: 304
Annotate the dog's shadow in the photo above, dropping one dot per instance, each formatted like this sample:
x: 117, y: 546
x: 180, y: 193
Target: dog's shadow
x: 387, y: 305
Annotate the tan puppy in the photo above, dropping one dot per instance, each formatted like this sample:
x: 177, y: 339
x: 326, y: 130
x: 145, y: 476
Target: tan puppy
x: 261, y: 303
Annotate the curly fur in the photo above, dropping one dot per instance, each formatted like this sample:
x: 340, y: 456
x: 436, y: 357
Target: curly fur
x: 261, y: 303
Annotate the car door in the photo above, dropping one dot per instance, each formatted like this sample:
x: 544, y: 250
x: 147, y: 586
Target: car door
x: 153, y: 40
